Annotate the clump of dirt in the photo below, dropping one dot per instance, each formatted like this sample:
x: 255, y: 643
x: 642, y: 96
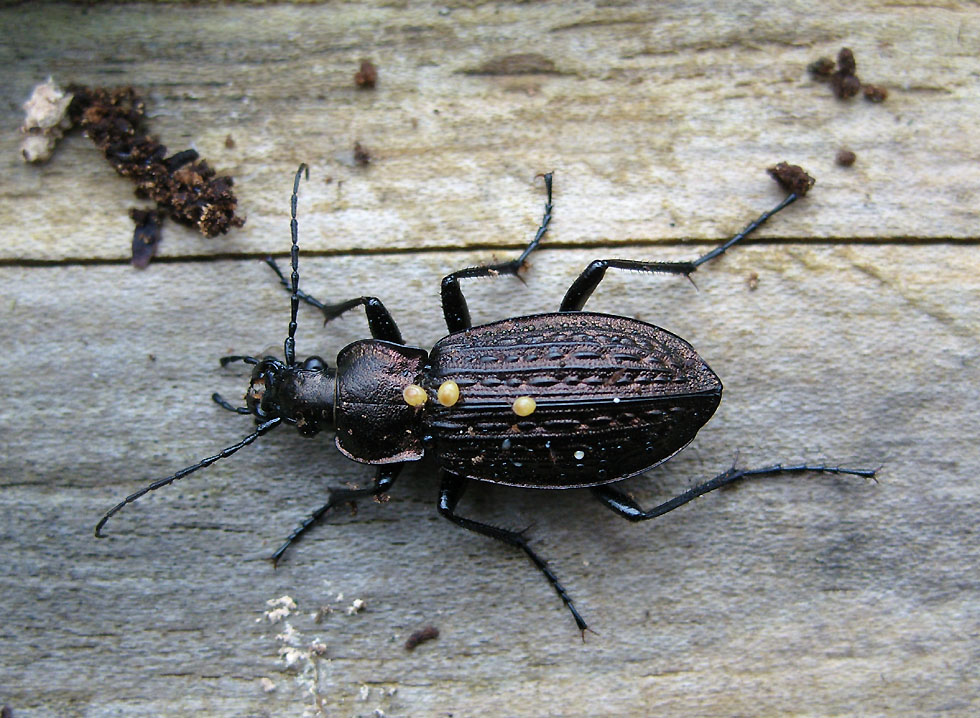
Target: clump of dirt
x: 844, y: 80
x: 183, y: 186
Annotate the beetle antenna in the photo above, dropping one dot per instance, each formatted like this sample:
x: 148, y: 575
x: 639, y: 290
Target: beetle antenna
x: 289, y: 346
x: 259, y: 431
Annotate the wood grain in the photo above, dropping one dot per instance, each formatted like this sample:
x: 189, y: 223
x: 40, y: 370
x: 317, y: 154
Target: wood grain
x: 811, y: 596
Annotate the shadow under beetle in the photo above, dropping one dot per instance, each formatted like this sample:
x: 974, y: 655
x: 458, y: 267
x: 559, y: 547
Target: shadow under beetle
x: 551, y: 401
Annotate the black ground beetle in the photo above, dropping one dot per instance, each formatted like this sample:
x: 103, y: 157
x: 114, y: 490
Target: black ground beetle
x: 561, y: 400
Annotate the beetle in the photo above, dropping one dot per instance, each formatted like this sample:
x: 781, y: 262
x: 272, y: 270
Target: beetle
x: 566, y: 399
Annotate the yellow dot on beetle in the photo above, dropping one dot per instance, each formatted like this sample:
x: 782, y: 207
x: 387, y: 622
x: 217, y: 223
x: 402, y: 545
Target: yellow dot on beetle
x: 524, y: 406
x: 414, y: 395
x: 448, y: 393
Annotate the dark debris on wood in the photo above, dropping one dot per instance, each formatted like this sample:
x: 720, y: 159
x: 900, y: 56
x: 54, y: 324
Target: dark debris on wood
x: 183, y: 186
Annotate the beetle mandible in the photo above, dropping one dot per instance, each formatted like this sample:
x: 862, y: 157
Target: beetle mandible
x: 559, y: 400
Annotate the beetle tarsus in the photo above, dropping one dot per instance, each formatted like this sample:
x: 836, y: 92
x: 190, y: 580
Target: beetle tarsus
x: 383, y: 481
x: 623, y: 505
x: 751, y: 227
x: 227, y: 406
x: 454, y: 306
x: 580, y: 291
x: 451, y: 492
x: 225, y: 361
x: 224, y: 453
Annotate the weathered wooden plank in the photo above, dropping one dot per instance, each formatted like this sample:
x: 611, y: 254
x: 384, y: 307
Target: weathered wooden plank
x: 658, y: 119
x: 814, y: 596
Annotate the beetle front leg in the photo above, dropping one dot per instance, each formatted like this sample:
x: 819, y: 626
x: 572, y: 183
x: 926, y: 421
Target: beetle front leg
x: 580, y: 291
x: 451, y: 492
x: 454, y: 303
x: 383, y: 480
x: 628, y: 509
x: 379, y: 319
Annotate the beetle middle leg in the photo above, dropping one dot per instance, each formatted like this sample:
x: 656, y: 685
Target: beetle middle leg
x: 580, y: 291
x: 379, y: 319
x: 454, y: 303
x: 451, y: 492
x: 628, y: 509
x: 383, y: 480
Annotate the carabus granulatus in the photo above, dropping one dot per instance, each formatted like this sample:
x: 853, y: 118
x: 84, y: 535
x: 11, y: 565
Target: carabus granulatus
x: 560, y: 400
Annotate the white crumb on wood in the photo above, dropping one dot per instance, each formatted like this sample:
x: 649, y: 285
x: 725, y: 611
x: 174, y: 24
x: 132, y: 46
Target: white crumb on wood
x: 45, y: 121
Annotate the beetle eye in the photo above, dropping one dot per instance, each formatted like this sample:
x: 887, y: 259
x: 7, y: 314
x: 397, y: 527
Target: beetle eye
x: 314, y: 363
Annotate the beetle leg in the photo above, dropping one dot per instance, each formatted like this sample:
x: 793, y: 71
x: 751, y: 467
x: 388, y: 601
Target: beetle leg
x: 379, y: 319
x: 454, y: 303
x: 312, y: 301
x: 580, y: 291
x: 261, y: 430
x: 628, y: 509
x: 450, y: 493
x: 224, y: 404
x: 221, y: 401
x: 225, y: 361
x: 383, y: 480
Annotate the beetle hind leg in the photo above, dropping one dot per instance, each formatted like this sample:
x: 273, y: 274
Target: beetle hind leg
x: 383, y: 481
x: 454, y: 303
x: 450, y: 493
x: 623, y: 505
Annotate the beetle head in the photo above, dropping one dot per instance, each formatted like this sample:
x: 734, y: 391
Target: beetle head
x: 263, y: 388
x: 301, y: 394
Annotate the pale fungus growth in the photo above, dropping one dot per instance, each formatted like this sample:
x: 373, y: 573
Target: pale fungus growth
x: 414, y: 395
x: 45, y: 121
x: 448, y: 393
x: 524, y: 406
